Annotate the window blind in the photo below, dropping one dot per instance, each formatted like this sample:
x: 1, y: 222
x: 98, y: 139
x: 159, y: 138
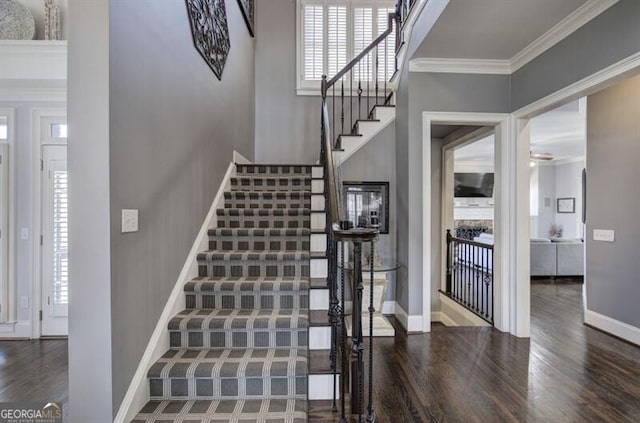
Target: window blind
x: 60, y: 238
x: 313, y: 29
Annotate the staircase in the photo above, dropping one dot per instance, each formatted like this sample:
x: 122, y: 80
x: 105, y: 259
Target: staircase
x: 239, y: 352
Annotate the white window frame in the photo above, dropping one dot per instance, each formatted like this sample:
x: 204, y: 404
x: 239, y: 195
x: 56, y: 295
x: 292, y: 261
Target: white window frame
x: 312, y: 87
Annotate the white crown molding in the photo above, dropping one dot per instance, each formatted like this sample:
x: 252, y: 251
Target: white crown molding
x: 560, y: 31
x: 476, y: 66
x: 578, y: 18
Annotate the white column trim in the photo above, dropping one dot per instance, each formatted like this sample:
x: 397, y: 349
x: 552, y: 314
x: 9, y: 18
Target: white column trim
x: 505, y: 213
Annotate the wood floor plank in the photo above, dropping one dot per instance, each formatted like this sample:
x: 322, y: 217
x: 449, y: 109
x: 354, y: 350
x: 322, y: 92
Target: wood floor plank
x: 566, y: 372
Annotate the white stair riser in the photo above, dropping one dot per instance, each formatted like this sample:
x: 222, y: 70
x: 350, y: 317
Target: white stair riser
x: 318, y: 243
x: 321, y: 387
x: 318, y: 221
x: 385, y: 113
x: 317, y: 202
x: 318, y: 268
x: 317, y: 172
x: 318, y: 299
x: 367, y: 130
x: 317, y: 186
x: 320, y: 338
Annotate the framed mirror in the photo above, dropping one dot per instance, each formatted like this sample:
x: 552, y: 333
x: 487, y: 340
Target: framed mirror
x: 367, y: 204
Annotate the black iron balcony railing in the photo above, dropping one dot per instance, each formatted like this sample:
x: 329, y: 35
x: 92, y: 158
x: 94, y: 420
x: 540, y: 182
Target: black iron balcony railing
x: 470, y: 275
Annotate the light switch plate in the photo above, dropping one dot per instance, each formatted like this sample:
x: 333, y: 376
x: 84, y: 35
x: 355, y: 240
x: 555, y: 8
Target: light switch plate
x: 603, y: 235
x: 129, y: 220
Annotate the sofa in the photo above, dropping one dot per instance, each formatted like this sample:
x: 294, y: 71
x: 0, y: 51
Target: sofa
x: 557, y: 257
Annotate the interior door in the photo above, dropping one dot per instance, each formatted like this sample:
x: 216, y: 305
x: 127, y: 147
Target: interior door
x: 55, y: 241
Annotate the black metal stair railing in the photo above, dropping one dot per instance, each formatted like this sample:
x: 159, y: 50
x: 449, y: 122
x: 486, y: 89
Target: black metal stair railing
x: 469, y: 278
x: 361, y: 84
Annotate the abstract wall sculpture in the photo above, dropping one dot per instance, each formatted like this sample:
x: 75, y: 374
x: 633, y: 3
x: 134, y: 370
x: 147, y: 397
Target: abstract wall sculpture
x: 247, y: 12
x: 51, y: 20
x: 210, y: 32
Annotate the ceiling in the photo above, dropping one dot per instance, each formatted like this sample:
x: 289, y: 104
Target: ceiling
x: 560, y: 132
x: 492, y: 29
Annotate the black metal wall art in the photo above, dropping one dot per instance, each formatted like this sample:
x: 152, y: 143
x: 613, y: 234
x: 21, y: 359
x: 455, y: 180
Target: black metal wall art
x: 210, y: 32
x: 248, y: 13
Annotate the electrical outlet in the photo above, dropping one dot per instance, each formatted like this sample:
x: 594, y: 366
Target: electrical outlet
x: 603, y: 235
x: 24, y: 302
x: 129, y: 220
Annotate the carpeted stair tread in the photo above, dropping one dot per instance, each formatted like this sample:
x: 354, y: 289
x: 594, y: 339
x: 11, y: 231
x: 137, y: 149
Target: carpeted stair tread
x: 247, y: 293
x: 267, y: 199
x: 237, y: 374
x: 264, y: 212
x: 224, y: 411
x: 271, y: 183
x: 270, y: 169
x: 204, y: 319
x: 243, y: 337
x: 253, y: 255
x: 263, y: 284
x: 254, y: 232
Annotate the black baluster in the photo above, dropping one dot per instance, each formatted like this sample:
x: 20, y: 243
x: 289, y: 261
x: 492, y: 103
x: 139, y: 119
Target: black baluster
x: 333, y: 123
x: 371, y: 417
x: 333, y: 276
x: 369, y: 74
x: 357, y: 365
x: 359, y: 94
x: 377, y: 74
x: 341, y: 110
x: 449, y: 263
x: 343, y: 335
x: 351, y: 100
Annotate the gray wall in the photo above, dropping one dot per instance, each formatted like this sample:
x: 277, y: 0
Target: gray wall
x: 173, y: 127
x: 613, y: 201
x: 376, y: 162
x: 287, y: 125
x: 153, y: 129
x: 607, y: 39
x: 431, y: 92
x: 90, y: 341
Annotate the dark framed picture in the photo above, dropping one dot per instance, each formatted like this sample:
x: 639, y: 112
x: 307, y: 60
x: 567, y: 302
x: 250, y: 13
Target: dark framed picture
x: 367, y: 204
x: 248, y: 10
x: 566, y: 205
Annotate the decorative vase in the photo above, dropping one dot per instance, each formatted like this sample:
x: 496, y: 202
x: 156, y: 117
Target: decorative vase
x: 51, y: 20
x: 16, y: 21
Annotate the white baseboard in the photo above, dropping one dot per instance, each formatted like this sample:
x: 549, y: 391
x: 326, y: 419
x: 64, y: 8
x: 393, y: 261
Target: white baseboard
x: 409, y: 323
x: 15, y: 330
x: 453, y: 314
x: 239, y: 158
x: 441, y: 317
x: 389, y: 307
x: 612, y: 326
x: 138, y: 393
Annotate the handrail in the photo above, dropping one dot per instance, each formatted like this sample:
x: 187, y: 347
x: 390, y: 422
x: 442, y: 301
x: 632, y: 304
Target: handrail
x: 352, y: 366
x: 326, y: 85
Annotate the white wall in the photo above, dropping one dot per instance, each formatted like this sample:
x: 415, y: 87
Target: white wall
x: 37, y: 10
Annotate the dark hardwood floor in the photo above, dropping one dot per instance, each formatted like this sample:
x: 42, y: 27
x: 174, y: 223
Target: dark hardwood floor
x: 567, y: 372
x: 35, y: 371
